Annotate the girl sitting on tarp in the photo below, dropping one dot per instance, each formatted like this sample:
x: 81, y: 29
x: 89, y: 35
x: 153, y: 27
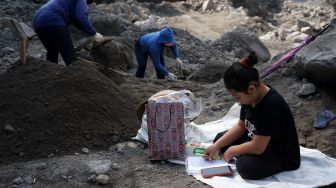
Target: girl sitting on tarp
x: 264, y: 141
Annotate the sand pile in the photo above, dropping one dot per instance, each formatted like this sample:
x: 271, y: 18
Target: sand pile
x: 51, y: 109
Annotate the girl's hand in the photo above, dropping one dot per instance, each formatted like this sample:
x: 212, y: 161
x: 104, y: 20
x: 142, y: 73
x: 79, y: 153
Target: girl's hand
x: 210, y: 152
x: 230, y: 153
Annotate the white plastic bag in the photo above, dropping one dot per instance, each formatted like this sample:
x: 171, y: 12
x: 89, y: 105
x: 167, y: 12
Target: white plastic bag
x: 192, y: 108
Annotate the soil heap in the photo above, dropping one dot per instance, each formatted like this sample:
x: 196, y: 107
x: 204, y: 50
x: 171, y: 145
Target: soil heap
x: 51, y: 109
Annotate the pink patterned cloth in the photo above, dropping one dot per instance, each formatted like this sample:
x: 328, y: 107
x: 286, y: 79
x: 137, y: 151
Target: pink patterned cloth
x: 165, y: 122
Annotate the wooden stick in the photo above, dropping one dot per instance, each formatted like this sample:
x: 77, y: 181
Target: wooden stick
x: 19, y: 33
x: 97, y: 64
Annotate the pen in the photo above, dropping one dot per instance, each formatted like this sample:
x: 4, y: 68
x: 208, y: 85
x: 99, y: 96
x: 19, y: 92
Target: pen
x: 213, y: 157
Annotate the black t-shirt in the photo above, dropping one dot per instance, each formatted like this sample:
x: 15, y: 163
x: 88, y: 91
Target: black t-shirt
x: 273, y: 117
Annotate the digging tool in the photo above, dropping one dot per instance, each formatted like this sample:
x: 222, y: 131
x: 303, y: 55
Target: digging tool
x: 91, y: 40
x: 108, y: 68
x: 291, y: 53
x: 19, y: 33
x: 180, y: 75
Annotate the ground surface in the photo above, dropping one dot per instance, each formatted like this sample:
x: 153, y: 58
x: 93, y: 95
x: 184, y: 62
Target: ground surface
x: 55, y: 144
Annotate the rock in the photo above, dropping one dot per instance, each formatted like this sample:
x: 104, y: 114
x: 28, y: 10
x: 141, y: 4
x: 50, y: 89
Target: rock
x: 9, y: 128
x: 124, y: 7
x: 7, y: 50
x: 220, y: 8
x: 186, y: 5
x: 134, y: 18
x: 333, y: 4
x: 92, y: 179
x: 241, y: 41
x: 149, y: 24
x: 294, y: 28
x: 85, y: 150
x: 304, y: 81
x: 41, y: 166
x: 132, y: 145
x: 307, y: 30
x: 292, y: 36
x: 208, y: 5
x: 103, y: 179
x: 321, y: 13
x: 302, y: 142
x: 99, y: 166
x: 140, y: 145
x: 300, y: 38
x: 124, y: 16
x: 115, y: 8
x: 118, y: 147
x: 162, y: 21
x: 109, y: 25
x: 287, y: 71
x: 115, y: 166
x: 136, y: 10
x: 211, y: 72
x: 17, y: 181
x: 317, y: 61
x: 282, y: 34
x: 29, y: 180
x: 269, y: 36
x: 306, y: 13
x: 302, y: 23
x: 197, y: 6
x: 307, y: 89
x: 260, y: 8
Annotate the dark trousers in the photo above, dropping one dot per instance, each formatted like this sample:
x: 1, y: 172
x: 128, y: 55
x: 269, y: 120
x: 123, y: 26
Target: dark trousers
x: 57, y: 40
x: 255, y: 167
x: 142, y: 58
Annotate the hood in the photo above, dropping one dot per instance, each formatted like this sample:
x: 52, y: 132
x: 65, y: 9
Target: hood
x: 166, y: 36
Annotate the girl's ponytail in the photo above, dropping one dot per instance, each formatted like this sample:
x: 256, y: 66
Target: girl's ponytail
x: 240, y: 75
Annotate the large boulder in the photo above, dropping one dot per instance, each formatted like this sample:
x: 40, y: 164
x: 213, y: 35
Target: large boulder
x: 258, y: 7
x: 317, y: 61
x: 242, y: 41
x: 211, y: 72
x: 109, y: 24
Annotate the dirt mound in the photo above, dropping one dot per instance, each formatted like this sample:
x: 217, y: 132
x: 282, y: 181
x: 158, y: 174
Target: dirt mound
x: 51, y: 109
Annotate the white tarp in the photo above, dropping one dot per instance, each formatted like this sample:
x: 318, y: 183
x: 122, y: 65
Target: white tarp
x: 316, y: 168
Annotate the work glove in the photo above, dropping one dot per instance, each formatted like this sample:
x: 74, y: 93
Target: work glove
x: 171, y: 77
x: 179, y: 64
x: 98, y: 37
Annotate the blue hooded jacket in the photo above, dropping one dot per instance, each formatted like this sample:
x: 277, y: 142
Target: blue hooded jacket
x: 151, y: 43
x: 63, y: 13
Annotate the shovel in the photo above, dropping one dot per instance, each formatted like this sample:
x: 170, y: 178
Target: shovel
x: 180, y: 75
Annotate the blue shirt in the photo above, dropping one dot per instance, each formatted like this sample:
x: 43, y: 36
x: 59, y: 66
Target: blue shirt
x: 152, y: 43
x: 63, y: 13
